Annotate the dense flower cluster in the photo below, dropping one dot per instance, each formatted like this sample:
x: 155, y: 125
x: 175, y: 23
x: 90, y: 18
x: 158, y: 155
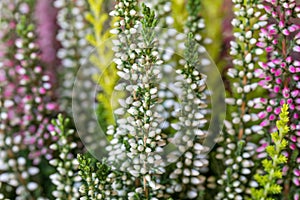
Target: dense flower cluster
x: 162, y: 9
x: 75, y: 48
x: 45, y: 16
x: 187, y: 179
x: 238, y: 149
x: 195, y: 23
x: 141, y: 128
x: 279, y: 75
x: 153, y: 99
x: 26, y: 104
x: 95, y: 179
x: 273, y: 167
x: 66, y: 178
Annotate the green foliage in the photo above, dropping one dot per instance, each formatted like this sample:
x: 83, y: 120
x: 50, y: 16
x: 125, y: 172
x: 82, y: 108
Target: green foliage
x: 273, y: 166
x: 149, y: 20
x: 98, y: 19
x: 193, y: 9
x: 64, y: 160
x: 215, y: 13
x: 179, y: 14
x: 94, y: 175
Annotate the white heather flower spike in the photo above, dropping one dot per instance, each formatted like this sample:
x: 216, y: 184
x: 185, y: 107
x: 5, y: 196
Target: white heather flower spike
x: 65, y: 179
x: 235, y: 150
x: 74, y: 47
x: 187, y: 180
x: 139, y: 127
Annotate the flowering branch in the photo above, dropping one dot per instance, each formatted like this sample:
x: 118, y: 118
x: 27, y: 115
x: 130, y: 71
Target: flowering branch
x: 273, y: 167
x: 108, y: 78
x: 279, y: 75
x: 186, y: 178
x: 65, y: 179
x: 75, y: 48
x: 27, y: 106
x: 242, y: 120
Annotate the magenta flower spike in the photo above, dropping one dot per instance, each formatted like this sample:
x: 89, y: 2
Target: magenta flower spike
x: 45, y: 17
x: 26, y: 104
x: 280, y: 73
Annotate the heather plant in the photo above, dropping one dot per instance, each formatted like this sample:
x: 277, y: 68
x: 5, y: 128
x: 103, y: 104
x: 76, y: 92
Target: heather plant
x: 273, y: 167
x: 187, y: 179
x: 45, y: 15
x: 98, y: 18
x: 157, y: 122
x: 66, y: 178
x: 74, y: 46
x: 241, y: 123
x: 188, y: 176
x: 139, y: 106
x: 27, y: 107
x: 279, y: 74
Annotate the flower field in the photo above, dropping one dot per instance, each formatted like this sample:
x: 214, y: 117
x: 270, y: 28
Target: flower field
x: 149, y: 99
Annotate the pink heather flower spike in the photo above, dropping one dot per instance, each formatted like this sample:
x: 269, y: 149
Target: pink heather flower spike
x: 280, y: 71
x: 26, y: 93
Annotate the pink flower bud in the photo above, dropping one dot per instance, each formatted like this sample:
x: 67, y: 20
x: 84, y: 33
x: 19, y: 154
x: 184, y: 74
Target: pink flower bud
x: 276, y: 89
x: 285, y: 32
x: 296, y: 48
x: 268, y: 9
x: 293, y: 138
x: 277, y: 110
x: 263, y: 100
x: 261, y: 44
x: 37, y: 69
x: 272, y: 117
x: 42, y: 91
x: 292, y: 69
x: 262, y: 147
x: 292, y: 146
x: 265, y: 123
x: 263, y: 65
x: 269, y: 49
x: 51, y: 106
x: 293, y: 28
x: 278, y: 80
x: 288, y: 13
x: 269, y: 109
x: 262, y: 114
x: 275, y: 42
x: 286, y: 93
x: 278, y: 72
x: 295, y: 93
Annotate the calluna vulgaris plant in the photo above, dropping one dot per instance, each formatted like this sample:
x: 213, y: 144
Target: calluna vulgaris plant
x: 280, y: 76
x: 108, y: 78
x: 26, y: 107
x: 45, y: 42
x: 66, y: 178
x: 74, y: 47
x: 268, y: 182
x: 238, y: 148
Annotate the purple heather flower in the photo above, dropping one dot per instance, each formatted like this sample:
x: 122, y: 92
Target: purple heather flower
x: 280, y: 73
x: 45, y: 14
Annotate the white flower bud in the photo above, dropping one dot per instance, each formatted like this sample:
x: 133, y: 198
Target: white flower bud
x: 32, y: 186
x: 248, y: 34
x: 259, y: 51
x: 248, y: 58
x: 153, y: 91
